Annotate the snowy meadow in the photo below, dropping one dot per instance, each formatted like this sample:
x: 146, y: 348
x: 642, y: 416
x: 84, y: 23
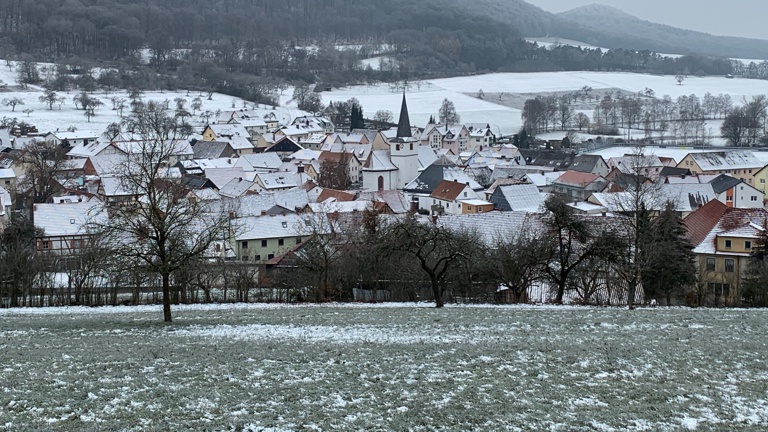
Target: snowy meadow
x: 391, y: 367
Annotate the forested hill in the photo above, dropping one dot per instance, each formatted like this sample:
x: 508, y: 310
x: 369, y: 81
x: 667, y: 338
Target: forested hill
x: 611, y: 28
x: 247, y: 48
x: 115, y: 28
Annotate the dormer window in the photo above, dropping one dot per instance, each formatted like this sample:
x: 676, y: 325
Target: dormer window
x: 727, y: 244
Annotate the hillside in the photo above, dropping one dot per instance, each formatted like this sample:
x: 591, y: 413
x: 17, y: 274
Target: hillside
x: 609, y: 27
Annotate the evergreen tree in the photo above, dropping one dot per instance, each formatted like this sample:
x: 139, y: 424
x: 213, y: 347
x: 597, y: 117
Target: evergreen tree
x: 671, y: 261
x: 356, y: 120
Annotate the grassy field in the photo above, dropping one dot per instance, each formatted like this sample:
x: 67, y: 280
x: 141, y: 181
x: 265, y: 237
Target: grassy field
x: 281, y: 368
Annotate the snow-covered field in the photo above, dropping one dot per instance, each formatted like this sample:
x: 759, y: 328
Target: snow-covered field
x: 397, y: 367
x: 68, y: 116
x: 425, y: 100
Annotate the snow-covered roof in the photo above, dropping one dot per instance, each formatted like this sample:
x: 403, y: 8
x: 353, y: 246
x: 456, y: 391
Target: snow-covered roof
x: 221, y: 176
x: 732, y: 222
x: 490, y: 227
x: 280, y: 226
x: 543, y: 179
x: 306, y: 155
x: 278, y: 180
x: 86, y: 150
x: 115, y: 186
x: 7, y: 173
x: 228, y: 130
x: 236, y: 187
x: 522, y: 197
x: 68, y: 219
x: 333, y: 206
x: 727, y: 160
x: 74, y: 135
x: 269, y: 161
x: 380, y: 161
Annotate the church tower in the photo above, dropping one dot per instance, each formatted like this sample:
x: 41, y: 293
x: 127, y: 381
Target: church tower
x: 404, y: 149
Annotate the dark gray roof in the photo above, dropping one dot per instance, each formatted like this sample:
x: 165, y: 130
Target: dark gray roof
x: 723, y: 182
x: 404, y: 125
x: 585, y: 163
x: 211, y: 149
x: 549, y: 158
x: 669, y: 171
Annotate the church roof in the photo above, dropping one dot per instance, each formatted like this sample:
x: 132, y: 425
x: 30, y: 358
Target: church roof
x: 404, y: 124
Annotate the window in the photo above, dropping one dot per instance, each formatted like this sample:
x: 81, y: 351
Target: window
x: 469, y: 208
x: 245, y: 257
x: 711, y: 262
x: 753, y: 198
x: 479, y: 209
x: 263, y: 243
x: 719, y: 289
x: 762, y: 181
x: 747, y: 244
x: 280, y: 242
x: 270, y: 256
x: 46, y: 245
x: 465, y: 194
x: 730, y: 265
x: 298, y: 240
x: 245, y: 245
x: 729, y: 198
x: 727, y: 244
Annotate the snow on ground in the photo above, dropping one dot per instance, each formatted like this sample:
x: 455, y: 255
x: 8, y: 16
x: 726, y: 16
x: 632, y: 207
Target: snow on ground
x: 425, y: 100
x: 334, y: 367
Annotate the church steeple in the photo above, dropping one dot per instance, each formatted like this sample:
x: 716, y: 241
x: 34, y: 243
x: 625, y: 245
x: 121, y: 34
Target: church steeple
x: 404, y: 124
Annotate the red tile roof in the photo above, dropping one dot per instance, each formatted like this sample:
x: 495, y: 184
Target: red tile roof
x: 448, y: 190
x: 575, y: 178
x: 340, y: 196
x: 703, y: 220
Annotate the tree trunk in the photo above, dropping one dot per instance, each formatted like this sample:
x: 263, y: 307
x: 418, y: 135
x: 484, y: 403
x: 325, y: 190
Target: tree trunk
x: 166, y: 296
x: 436, y: 291
x: 560, y: 292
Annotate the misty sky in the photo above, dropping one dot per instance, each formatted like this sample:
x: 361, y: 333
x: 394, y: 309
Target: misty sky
x: 744, y: 18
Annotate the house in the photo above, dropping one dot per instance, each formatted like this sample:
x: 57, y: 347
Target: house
x: 65, y: 226
x: 447, y: 197
x: 419, y: 189
x: 323, y: 124
x: 283, y: 147
x: 446, y: 136
x: 255, y: 126
x: 8, y: 178
x: 375, y: 138
x: 347, y: 160
x: 723, y: 238
x: 238, y: 187
x: 517, y: 197
x: 480, y: 136
x: 760, y: 179
x: 578, y: 186
x: 261, y: 238
x: 71, y: 139
x: 741, y: 164
x: 648, y: 166
x: 685, y: 197
x: 734, y: 192
x: 234, y: 134
x: 6, y: 205
x: 594, y: 164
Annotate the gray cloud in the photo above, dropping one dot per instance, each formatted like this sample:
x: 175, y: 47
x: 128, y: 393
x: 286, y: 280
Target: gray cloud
x: 744, y: 18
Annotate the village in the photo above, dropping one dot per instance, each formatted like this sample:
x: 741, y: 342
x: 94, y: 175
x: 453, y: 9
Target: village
x: 283, y: 185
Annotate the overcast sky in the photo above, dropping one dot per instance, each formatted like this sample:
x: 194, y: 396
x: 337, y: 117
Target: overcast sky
x: 746, y: 18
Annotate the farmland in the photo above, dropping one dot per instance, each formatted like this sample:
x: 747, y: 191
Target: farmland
x: 383, y: 367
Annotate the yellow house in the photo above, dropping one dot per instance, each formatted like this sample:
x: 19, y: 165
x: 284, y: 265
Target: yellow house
x: 723, y: 238
x: 740, y: 164
x: 761, y: 178
x: 261, y: 238
x: 476, y: 206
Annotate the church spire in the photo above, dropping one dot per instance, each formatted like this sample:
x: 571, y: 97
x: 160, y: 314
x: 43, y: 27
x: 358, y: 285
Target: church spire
x: 404, y: 124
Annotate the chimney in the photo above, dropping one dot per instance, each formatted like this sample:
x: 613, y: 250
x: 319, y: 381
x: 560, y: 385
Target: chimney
x: 263, y: 212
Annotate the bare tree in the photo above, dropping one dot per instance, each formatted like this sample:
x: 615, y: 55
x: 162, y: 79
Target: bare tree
x: 13, y: 102
x: 435, y: 249
x: 45, y: 166
x: 519, y: 263
x: 383, y: 116
x: 163, y: 229
x: 50, y: 98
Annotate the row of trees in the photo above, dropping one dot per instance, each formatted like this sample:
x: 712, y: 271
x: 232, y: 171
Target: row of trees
x: 681, y: 121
